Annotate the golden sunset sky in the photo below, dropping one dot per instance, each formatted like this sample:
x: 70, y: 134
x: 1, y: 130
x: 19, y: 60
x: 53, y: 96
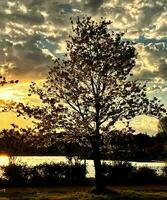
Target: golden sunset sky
x: 33, y: 33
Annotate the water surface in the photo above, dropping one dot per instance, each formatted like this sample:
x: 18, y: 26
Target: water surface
x: 36, y: 160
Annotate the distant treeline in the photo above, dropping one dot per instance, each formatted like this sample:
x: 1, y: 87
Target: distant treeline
x: 139, y: 147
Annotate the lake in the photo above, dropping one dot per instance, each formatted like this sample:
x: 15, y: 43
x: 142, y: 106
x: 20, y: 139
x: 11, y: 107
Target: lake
x: 35, y: 160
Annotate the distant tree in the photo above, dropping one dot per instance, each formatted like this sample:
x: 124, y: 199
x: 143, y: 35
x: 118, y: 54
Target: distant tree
x: 129, y: 146
x: 142, y: 142
x: 162, y: 126
x: 161, y: 136
x: 89, y: 90
x: 15, y: 141
x: 122, y: 144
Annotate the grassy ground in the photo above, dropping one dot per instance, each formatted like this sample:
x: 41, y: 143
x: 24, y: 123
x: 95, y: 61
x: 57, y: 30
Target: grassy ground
x: 83, y: 193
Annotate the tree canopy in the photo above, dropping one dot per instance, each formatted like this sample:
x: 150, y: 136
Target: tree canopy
x: 91, y: 88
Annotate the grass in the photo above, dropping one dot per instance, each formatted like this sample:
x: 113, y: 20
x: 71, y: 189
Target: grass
x: 83, y: 193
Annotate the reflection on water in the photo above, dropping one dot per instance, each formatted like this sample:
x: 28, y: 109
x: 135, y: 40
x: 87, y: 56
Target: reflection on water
x: 4, y: 160
x: 35, y: 160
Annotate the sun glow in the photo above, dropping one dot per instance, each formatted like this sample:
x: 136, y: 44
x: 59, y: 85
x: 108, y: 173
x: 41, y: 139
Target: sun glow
x: 14, y: 93
x: 7, y: 95
x: 4, y: 159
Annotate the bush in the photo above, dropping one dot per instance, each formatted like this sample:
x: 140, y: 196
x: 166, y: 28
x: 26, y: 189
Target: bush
x: 68, y: 174
x: 164, y: 175
x: 145, y: 175
x: 14, y: 174
x: 124, y: 173
x: 119, y: 173
x: 58, y: 174
x: 44, y: 174
x: 165, y: 171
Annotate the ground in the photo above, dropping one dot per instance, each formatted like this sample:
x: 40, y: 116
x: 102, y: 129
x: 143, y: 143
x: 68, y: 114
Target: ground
x: 83, y: 193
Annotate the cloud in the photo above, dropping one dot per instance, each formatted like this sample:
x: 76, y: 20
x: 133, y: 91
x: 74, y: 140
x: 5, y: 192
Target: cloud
x: 93, y: 5
x: 152, y: 62
x: 161, y: 28
x: 145, y: 124
x: 137, y: 17
x: 33, y: 32
x: 26, y: 59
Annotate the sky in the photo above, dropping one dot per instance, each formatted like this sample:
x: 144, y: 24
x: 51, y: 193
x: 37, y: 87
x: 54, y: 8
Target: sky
x: 33, y: 33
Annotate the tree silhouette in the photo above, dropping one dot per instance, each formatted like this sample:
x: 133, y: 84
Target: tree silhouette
x: 91, y: 88
x: 162, y: 125
x: 162, y: 133
x: 14, y: 142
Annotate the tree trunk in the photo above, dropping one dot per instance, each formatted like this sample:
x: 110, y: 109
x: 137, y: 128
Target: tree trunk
x: 98, y: 172
x: 96, y: 152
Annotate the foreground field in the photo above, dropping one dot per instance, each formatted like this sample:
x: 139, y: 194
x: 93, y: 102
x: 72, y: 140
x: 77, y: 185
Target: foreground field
x: 83, y: 193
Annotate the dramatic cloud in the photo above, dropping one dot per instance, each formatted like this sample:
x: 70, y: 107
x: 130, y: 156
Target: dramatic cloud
x: 152, y: 61
x: 33, y: 32
x: 93, y: 5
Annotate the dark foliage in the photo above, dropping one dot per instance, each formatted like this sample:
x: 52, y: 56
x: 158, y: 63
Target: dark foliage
x: 145, y: 175
x: 127, y: 146
x: 123, y: 173
x: 44, y: 175
x: 14, y: 175
x: 120, y: 173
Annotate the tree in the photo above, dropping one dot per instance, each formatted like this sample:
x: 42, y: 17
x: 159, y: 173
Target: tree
x: 162, y: 126
x: 162, y: 134
x: 162, y: 130
x: 91, y: 88
x: 15, y: 142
